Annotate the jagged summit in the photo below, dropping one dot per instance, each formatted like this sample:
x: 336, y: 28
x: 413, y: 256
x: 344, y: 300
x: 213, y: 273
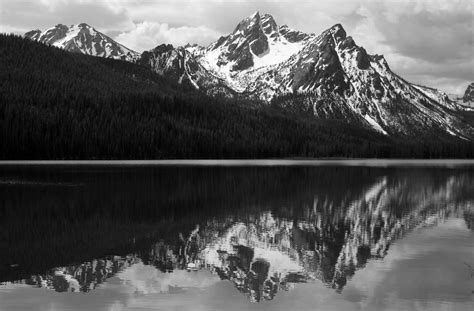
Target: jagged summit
x: 250, y: 20
x: 82, y: 38
x: 326, y: 74
x: 329, y: 73
x: 251, y: 38
x: 163, y: 48
x: 337, y: 26
x: 469, y: 93
x: 262, y: 252
x: 256, y: 42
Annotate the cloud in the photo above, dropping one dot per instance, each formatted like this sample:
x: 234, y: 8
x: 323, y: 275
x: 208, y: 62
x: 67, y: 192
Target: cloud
x: 223, y: 16
x: 147, y: 35
x: 449, y: 77
x: 428, y: 42
x: 25, y: 15
x: 423, y: 32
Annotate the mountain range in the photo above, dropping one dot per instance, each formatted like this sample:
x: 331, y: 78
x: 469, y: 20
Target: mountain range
x: 83, y: 38
x: 327, y: 75
x: 265, y: 253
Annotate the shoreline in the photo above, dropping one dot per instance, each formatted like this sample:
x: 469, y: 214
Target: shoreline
x: 247, y: 162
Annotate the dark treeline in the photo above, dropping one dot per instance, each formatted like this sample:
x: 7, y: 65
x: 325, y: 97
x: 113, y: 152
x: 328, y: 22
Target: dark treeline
x: 69, y: 215
x: 55, y: 215
x: 60, y: 105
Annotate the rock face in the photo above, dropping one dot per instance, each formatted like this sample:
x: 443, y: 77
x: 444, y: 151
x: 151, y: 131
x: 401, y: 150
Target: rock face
x: 469, y: 94
x: 328, y: 74
x: 247, y: 40
x: 83, y: 38
x: 180, y: 64
x: 326, y: 238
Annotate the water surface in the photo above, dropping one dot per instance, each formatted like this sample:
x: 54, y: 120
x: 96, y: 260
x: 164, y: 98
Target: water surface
x: 237, y: 235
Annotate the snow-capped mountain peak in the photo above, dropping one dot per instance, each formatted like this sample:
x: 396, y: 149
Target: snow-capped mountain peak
x: 82, y: 38
x: 328, y: 75
x: 256, y: 41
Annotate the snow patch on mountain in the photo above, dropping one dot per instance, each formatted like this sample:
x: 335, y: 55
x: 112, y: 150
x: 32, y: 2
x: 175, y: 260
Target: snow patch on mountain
x: 279, y: 51
x: 82, y: 38
x: 255, y: 46
x: 332, y: 76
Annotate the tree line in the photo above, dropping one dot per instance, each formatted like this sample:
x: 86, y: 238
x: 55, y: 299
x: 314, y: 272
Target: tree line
x: 60, y: 105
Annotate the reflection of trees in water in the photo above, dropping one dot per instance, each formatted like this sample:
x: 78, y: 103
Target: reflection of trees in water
x: 183, y: 254
x: 331, y: 242
x: 469, y: 215
x: 84, y: 277
x: 252, y: 276
x: 325, y: 237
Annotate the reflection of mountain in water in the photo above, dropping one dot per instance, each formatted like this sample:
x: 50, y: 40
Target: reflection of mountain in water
x: 327, y: 238
x: 469, y: 215
x: 84, y: 277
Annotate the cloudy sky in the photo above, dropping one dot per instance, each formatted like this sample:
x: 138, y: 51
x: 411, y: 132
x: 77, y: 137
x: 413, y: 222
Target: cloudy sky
x: 426, y: 41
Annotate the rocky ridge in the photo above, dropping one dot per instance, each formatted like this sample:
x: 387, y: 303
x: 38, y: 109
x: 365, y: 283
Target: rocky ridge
x: 82, y: 38
x: 326, y: 75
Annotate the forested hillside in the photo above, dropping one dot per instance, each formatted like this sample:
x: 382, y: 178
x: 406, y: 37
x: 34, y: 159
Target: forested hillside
x: 60, y: 105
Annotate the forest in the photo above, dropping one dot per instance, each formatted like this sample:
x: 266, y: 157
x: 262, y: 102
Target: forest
x: 60, y: 105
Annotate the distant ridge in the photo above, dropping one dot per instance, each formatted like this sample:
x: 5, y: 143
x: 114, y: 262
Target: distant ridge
x: 83, y: 38
x: 326, y: 76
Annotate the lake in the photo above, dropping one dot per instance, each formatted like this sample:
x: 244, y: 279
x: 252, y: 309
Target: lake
x: 237, y: 235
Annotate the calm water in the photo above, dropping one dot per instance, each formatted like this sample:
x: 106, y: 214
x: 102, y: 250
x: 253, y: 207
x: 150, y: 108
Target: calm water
x: 278, y: 235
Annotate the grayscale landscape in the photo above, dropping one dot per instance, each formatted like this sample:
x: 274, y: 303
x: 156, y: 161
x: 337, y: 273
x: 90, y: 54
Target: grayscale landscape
x: 236, y: 155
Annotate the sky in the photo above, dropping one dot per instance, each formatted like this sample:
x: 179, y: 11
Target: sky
x: 428, y: 42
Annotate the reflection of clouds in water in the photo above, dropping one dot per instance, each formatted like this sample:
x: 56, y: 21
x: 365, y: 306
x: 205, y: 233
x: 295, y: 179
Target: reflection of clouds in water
x: 423, y: 271
x: 264, y: 254
x: 270, y: 252
x: 145, y: 279
x: 379, y: 287
x: 276, y: 254
x: 332, y: 246
x: 420, y: 272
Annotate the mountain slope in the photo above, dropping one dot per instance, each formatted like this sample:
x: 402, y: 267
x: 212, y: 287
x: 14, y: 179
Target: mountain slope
x: 327, y: 76
x: 332, y: 76
x: 60, y: 105
x: 469, y: 93
x: 82, y: 38
x: 179, y: 64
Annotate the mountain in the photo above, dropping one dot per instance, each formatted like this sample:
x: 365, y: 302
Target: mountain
x: 82, y: 38
x: 469, y: 94
x: 180, y: 65
x: 328, y: 75
x: 323, y: 236
x: 226, y: 63
x: 83, y: 277
x: 60, y: 105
